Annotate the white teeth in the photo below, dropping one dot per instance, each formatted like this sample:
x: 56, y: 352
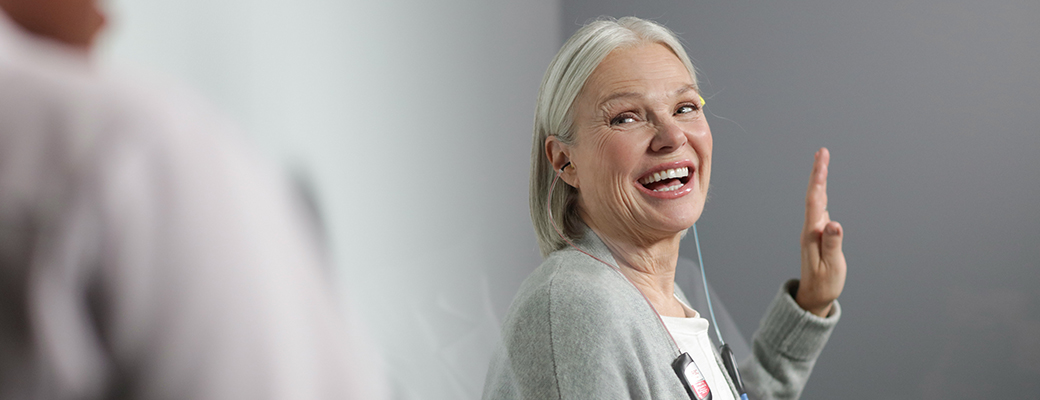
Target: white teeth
x: 666, y: 174
x: 669, y: 188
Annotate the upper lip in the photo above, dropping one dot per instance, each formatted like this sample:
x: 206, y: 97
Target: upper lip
x: 667, y: 166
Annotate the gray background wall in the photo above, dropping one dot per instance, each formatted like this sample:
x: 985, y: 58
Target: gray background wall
x: 929, y: 109
x: 411, y: 120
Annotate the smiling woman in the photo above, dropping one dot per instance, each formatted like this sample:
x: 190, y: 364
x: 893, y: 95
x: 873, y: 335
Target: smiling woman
x: 619, y: 120
x: 639, y: 114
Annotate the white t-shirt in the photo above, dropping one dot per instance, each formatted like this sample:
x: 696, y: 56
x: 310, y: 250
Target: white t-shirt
x: 691, y: 334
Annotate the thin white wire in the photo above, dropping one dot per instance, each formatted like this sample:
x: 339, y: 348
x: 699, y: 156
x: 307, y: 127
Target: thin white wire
x: 704, y: 280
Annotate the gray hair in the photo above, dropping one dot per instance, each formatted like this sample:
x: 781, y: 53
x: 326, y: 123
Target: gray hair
x: 562, y: 83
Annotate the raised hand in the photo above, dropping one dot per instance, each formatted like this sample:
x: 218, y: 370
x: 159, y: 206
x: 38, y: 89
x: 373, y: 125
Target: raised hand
x: 823, y: 263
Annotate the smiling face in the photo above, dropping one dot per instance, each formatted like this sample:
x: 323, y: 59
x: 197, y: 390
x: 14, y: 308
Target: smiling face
x: 642, y: 148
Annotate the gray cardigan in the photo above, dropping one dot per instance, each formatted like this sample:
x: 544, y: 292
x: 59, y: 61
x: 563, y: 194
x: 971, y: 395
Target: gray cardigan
x: 578, y: 330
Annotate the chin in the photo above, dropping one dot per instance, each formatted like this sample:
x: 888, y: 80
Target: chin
x: 677, y: 225
x: 685, y: 216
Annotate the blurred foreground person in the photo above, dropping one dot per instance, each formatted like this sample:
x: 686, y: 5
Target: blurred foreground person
x: 145, y: 253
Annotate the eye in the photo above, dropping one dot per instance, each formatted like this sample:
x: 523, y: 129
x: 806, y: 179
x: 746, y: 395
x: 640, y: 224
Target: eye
x: 625, y: 118
x: 687, y: 109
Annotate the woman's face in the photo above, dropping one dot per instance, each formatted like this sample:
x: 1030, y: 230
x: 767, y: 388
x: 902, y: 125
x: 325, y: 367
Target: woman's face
x: 642, y: 151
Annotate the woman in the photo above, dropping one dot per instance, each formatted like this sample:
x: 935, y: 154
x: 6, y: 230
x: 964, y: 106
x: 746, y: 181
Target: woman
x: 619, y: 121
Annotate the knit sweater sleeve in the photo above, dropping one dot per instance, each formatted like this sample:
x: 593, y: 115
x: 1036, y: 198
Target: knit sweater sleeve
x: 785, y: 347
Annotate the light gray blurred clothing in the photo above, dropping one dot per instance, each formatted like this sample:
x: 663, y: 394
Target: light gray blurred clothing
x: 578, y: 329
x: 147, y: 253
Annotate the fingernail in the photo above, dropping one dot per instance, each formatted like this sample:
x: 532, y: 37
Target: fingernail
x: 831, y: 230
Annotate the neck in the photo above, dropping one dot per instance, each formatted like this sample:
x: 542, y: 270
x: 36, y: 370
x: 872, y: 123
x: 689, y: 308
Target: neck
x: 650, y: 266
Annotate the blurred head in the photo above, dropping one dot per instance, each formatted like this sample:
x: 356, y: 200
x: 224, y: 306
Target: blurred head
x: 73, y: 22
x: 620, y: 102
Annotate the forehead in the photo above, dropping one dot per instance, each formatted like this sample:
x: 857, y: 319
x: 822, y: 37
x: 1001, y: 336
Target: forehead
x: 645, y: 70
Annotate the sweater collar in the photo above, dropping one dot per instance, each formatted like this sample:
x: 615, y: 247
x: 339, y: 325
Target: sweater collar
x: 591, y: 243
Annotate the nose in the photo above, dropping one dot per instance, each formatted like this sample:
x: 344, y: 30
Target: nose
x: 668, y: 137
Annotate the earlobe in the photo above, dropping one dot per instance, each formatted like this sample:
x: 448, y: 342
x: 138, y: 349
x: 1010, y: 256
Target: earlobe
x: 570, y: 175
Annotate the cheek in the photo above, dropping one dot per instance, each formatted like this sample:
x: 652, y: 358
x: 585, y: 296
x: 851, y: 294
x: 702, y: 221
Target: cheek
x: 700, y: 137
x: 706, y: 153
x: 706, y: 163
x: 604, y: 154
x: 604, y: 173
x: 614, y: 164
x: 702, y: 144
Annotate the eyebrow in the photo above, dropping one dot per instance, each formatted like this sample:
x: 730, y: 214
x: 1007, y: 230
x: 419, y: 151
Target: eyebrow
x: 615, y: 96
x: 620, y: 95
x: 685, y: 89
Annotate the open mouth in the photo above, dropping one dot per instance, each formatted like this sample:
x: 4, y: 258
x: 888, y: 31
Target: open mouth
x: 666, y: 180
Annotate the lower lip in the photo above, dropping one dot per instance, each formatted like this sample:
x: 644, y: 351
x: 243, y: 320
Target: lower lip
x: 671, y: 194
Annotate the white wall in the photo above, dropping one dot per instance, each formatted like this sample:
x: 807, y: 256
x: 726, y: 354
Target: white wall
x: 412, y: 121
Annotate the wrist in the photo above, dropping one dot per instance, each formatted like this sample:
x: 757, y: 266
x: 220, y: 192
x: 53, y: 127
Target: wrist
x: 805, y: 299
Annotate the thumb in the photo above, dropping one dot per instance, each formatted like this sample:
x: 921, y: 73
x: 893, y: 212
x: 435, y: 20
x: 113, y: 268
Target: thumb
x: 830, y: 246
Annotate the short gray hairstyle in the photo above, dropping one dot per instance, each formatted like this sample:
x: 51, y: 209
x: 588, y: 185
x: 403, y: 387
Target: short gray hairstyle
x: 562, y: 84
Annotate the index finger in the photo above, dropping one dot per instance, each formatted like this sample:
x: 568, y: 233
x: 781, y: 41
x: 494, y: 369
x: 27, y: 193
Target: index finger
x: 816, y: 194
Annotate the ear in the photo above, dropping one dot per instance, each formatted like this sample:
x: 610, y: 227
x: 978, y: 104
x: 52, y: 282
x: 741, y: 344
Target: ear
x: 559, y: 154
